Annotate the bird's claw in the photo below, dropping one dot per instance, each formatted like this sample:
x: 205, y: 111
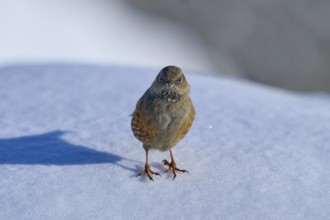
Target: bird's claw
x: 172, y: 166
x: 147, y: 171
x: 166, y: 162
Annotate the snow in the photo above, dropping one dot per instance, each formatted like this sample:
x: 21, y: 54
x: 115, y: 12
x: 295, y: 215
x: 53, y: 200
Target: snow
x: 67, y: 150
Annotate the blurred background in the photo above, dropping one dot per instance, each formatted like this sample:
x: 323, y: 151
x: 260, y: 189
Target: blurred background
x: 276, y: 42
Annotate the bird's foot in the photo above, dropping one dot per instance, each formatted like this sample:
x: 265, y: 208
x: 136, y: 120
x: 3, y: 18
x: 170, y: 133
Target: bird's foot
x: 147, y: 171
x: 172, y: 166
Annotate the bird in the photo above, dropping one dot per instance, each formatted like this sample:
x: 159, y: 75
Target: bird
x: 163, y: 116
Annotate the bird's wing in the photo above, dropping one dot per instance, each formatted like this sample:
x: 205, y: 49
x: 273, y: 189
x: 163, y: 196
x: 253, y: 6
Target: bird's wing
x: 142, y: 127
x: 187, y: 124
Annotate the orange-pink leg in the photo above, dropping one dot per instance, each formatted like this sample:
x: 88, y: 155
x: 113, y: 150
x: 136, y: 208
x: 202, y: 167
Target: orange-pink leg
x: 172, y: 166
x: 147, y: 171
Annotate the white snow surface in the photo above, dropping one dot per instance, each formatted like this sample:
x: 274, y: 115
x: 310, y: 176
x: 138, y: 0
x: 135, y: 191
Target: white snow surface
x: 67, y: 150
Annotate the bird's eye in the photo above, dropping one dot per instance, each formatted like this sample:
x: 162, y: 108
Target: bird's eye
x: 179, y: 81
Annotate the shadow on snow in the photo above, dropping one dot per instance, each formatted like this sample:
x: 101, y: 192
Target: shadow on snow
x: 50, y: 149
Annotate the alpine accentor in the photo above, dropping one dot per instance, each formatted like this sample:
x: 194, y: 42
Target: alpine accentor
x: 163, y: 115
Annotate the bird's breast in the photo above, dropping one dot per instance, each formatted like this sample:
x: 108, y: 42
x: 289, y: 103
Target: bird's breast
x: 170, y: 116
x: 170, y: 96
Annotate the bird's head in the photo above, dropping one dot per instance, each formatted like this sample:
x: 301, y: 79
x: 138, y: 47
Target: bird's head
x: 170, y: 81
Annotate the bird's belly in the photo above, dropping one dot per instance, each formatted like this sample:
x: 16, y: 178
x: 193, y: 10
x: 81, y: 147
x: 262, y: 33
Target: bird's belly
x: 168, y: 130
x: 168, y: 122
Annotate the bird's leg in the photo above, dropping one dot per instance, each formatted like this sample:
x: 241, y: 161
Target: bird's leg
x: 172, y: 166
x: 147, y: 171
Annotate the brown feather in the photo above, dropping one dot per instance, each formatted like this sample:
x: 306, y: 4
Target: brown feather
x: 187, y: 125
x: 141, y: 126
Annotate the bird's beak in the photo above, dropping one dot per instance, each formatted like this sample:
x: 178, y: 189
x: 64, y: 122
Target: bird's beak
x: 170, y: 84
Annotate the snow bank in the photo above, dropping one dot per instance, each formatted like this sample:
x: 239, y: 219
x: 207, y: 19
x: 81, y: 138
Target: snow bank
x: 67, y: 151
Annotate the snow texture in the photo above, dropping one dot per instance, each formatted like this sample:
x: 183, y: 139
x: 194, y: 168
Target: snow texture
x: 67, y: 150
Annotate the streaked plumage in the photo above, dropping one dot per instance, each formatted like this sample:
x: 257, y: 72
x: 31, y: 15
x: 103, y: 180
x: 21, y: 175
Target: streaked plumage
x: 164, y: 114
